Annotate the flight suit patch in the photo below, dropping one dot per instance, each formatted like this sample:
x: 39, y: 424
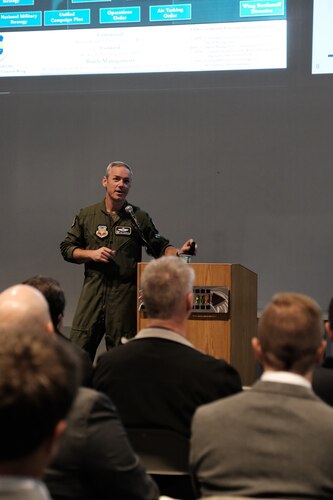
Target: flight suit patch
x: 123, y: 231
x: 102, y: 231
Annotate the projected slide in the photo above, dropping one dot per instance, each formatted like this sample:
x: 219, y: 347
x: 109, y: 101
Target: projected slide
x: 70, y: 37
x: 322, y: 37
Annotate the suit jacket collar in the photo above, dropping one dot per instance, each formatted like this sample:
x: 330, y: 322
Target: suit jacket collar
x: 283, y: 389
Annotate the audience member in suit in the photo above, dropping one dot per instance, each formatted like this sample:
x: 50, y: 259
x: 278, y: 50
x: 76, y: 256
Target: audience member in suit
x: 55, y: 297
x: 158, y: 378
x: 94, y: 448
x: 276, y: 439
x: 322, y: 382
x: 95, y: 460
x: 38, y: 383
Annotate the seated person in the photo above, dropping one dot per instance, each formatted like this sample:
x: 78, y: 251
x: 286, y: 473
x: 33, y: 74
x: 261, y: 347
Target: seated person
x: 94, y: 447
x: 55, y: 297
x: 95, y: 460
x: 38, y: 383
x: 274, y: 440
x: 158, y: 379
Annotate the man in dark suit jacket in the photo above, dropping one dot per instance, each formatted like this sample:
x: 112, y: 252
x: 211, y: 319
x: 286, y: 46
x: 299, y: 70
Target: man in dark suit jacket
x: 95, y: 460
x: 276, y: 439
x: 322, y: 382
x: 158, y: 378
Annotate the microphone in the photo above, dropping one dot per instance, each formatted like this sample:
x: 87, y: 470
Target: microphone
x: 129, y: 210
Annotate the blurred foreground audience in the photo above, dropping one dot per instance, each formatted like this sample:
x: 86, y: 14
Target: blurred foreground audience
x: 94, y: 459
x: 39, y: 379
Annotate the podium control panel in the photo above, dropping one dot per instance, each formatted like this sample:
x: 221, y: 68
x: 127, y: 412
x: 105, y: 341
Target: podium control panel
x: 213, y: 299
x: 206, y: 300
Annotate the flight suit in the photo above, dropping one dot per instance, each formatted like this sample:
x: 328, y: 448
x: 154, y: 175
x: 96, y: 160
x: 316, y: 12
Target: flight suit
x: 107, y: 304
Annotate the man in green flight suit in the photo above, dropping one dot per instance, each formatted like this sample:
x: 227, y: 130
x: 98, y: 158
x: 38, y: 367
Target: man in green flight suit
x: 108, y: 238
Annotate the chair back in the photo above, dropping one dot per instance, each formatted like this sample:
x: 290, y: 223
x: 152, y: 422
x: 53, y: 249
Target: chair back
x: 161, y: 450
x: 165, y: 455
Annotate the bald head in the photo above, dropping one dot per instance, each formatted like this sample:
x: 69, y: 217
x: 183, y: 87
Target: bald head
x: 23, y: 308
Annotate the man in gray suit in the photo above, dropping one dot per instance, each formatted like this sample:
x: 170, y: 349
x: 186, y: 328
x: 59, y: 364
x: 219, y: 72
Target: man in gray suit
x: 276, y: 439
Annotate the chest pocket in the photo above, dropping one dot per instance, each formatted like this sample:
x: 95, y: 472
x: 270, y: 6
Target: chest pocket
x: 127, y: 238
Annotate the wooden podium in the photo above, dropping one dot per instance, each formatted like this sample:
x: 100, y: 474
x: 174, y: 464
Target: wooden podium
x: 225, y: 334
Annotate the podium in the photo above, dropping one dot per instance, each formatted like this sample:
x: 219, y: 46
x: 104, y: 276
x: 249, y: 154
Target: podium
x: 224, y: 317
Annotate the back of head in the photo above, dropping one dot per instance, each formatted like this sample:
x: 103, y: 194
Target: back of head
x: 22, y: 308
x: 53, y: 293
x: 39, y: 378
x: 165, y: 284
x: 290, y: 332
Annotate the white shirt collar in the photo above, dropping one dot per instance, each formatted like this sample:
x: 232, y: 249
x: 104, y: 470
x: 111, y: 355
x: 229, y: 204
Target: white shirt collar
x: 161, y: 333
x: 285, y: 378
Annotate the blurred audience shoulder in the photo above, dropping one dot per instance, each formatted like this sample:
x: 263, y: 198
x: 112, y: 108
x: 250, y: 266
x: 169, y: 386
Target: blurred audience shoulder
x: 95, y: 459
x: 322, y: 382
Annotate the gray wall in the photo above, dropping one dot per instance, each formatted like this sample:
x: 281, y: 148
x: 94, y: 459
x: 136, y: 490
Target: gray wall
x: 239, y: 161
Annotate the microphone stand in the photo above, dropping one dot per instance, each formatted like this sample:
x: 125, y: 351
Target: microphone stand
x: 139, y: 230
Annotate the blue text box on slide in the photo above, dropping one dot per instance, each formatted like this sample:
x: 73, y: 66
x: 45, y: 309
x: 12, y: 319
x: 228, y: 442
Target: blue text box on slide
x: 121, y: 15
x: 181, y: 12
x: 261, y: 9
x: 20, y: 19
x: 16, y: 3
x: 66, y: 17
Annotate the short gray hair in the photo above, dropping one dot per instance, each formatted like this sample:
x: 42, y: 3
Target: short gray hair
x: 165, y: 283
x: 118, y: 164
